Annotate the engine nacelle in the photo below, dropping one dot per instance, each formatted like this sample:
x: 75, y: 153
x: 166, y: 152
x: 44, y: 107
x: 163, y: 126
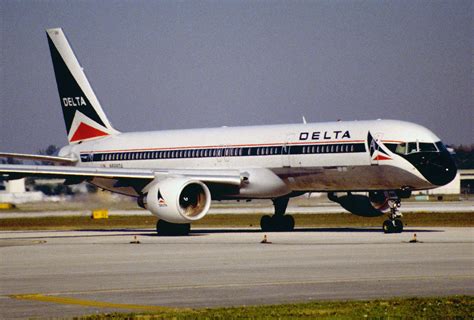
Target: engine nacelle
x: 177, y: 200
x: 360, y: 205
x: 379, y: 200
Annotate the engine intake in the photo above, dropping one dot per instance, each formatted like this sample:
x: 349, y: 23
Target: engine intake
x: 177, y: 200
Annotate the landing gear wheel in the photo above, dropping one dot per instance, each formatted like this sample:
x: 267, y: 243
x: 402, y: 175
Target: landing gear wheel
x: 393, y: 226
x: 277, y: 223
x: 165, y: 228
x: 388, y: 226
x: 398, y: 225
x: 289, y: 222
x: 266, y: 223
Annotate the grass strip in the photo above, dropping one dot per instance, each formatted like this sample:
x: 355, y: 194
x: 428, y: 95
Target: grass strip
x: 455, y: 307
x: 419, y: 219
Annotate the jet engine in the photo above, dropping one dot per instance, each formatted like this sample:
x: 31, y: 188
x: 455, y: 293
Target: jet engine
x: 177, y: 200
x: 373, y: 205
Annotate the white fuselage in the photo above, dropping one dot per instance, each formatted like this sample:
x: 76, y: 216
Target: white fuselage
x: 331, y: 156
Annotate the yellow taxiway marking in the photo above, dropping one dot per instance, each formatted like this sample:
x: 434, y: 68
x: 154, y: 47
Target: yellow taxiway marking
x: 87, y: 303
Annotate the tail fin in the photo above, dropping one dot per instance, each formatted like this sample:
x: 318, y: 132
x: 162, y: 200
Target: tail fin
x: 82, y: 112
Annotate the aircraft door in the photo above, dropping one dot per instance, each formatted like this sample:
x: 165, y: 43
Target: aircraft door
x: 286, y: 151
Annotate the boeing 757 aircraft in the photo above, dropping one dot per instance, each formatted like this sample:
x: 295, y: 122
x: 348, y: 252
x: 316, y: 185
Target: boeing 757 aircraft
x: 175, y: 173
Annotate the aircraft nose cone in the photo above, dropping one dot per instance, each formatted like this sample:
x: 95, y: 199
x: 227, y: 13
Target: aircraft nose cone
x: 440, y: 170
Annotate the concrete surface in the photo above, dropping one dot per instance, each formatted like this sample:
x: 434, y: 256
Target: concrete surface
x: 71, y: 273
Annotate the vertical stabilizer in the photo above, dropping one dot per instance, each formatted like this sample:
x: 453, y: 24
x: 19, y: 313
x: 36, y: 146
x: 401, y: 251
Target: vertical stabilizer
x: 82, y: 111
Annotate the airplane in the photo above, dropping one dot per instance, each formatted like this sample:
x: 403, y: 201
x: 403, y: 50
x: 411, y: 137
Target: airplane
x: 175, y: 173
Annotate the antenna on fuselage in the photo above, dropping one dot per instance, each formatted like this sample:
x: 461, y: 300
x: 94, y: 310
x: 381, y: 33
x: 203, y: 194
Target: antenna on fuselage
x: 304, y: 120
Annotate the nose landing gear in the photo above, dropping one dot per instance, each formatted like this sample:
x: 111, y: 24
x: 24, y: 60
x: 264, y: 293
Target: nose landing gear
x: 393, y: 224
x: 279, y: 221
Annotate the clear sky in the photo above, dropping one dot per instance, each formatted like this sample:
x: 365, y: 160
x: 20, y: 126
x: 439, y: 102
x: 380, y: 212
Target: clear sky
x: 187, y: 64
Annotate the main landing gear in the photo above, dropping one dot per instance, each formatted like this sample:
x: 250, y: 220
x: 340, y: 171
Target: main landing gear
x: 164, y: 228
x: 279, y: 221
x: 393, y: 224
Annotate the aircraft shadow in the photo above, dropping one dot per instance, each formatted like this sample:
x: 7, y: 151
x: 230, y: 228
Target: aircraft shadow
x: 305, y: 230
x: 119, y: 232
x: 204, y: 231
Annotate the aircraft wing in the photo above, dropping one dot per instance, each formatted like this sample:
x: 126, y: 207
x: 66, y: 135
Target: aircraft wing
x: 38, y: 157
x: 78, y: 174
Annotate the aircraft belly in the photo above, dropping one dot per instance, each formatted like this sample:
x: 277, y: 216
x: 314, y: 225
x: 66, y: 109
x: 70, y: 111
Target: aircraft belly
x: 355, y: 178
x: 323, y: 179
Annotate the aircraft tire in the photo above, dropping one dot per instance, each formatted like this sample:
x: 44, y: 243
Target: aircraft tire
x: 398, y: 226
x: 168, y: 229
x: 266, y: 223
x: 289, y: 222
x: 388, y: 226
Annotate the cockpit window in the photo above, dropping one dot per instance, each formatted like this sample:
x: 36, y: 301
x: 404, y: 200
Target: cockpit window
x: 413, y: 147
x: 401, y: 148
x: 441, y: 146
x: 427, y: 147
